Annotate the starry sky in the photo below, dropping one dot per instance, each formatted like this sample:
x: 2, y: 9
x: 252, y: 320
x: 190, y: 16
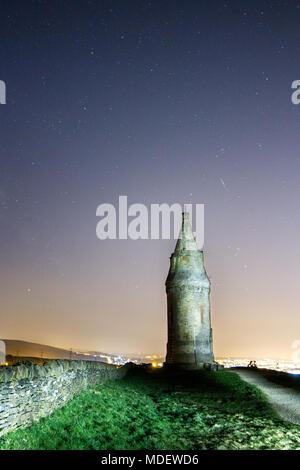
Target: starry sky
x: 162, y: 101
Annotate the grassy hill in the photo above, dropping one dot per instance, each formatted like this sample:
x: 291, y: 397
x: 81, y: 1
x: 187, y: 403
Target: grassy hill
x: 153, y: 409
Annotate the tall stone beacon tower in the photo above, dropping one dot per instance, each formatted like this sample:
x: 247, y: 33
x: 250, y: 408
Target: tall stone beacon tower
x: 188, y: 293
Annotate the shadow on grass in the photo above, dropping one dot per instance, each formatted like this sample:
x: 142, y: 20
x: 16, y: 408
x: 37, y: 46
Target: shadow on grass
x: 219, y: 390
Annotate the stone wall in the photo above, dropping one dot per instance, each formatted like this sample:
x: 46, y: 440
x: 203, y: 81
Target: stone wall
x: 29, y: 391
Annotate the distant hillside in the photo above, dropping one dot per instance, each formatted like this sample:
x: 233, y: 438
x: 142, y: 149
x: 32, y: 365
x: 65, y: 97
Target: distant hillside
x: 25, y: 349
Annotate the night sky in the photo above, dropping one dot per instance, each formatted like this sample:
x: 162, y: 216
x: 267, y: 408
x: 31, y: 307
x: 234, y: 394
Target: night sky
x: 162, y: 101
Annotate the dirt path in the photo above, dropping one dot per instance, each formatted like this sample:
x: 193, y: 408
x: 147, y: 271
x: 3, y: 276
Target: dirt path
x: 285, y: 400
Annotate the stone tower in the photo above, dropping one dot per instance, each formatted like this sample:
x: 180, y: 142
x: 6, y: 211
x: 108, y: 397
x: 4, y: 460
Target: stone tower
x: 188, y: 293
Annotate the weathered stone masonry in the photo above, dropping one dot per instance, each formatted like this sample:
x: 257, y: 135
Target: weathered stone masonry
x: 29, y: 391
x: 188, y: 296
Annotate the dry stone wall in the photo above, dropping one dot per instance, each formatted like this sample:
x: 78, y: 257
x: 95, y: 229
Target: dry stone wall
x: 29, y: 391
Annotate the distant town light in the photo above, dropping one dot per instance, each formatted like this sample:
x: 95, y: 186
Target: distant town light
x: 294, y: 372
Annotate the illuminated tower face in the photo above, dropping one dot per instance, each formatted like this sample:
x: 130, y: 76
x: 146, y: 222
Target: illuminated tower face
x: 188, y: 294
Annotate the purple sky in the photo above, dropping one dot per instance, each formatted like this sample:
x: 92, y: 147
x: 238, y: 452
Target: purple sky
x: 163, y: 102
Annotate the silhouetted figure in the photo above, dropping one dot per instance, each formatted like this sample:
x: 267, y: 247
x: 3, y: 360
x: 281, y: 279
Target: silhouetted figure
x: 252, y: 365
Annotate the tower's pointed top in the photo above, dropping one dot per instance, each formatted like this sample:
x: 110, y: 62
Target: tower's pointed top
x: 186, y: 240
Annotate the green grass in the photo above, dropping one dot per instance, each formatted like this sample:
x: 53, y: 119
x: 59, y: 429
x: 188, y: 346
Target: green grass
x: 152, y: 409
